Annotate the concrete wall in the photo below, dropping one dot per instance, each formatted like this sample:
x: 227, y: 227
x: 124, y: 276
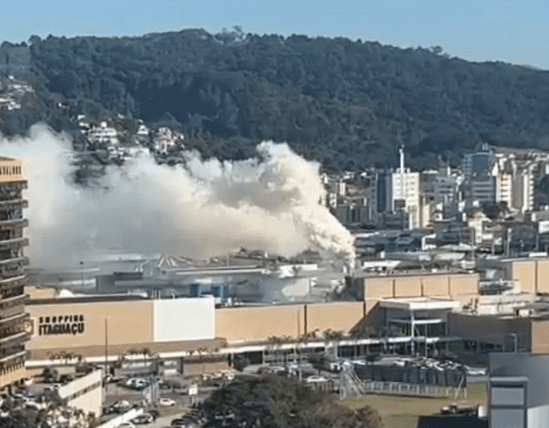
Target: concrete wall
x: 259, y: 323
x: 426, y: 285
x: 378, y: 287
x: 531, y: 274
x: 84, y: 393
x: 461, y: 284
x: 183, y: 319
x: 435, y: 286
x: 540, y: 336
x: 543, y: 276
x: 491, y: 329
x: 524, y: 271
x: 408, y: 286
x: 341, y: 316
x: 534, y: 367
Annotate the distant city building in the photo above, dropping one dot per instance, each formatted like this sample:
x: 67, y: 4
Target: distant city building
x: 482, y: 189
x: 403, y: 193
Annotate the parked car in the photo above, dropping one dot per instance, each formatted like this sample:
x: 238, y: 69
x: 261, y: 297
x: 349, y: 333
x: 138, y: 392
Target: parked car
x: 180, y: 423
x: 154, y: 413
x: 313, y: 379
x: 166, y: 402
x: 143, y: 419
x: 121, y: 406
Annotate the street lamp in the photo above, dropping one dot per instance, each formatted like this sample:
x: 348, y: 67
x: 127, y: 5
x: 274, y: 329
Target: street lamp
x: 515, y: 342
x: 82, y: 272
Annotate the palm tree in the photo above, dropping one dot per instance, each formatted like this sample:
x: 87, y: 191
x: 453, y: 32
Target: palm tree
x: 275, y: 342
x: 333, y: 336
x: 146, y: 352
x: 201, y: 357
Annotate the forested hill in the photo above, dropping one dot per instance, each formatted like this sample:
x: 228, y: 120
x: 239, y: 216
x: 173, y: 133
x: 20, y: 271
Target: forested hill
x: 346, y: 103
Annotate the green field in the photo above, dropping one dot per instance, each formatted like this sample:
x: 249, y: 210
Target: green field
x: 403, y: 412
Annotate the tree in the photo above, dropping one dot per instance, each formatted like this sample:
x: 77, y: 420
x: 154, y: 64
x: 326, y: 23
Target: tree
x: 437, y: 50
x: 273, y: 401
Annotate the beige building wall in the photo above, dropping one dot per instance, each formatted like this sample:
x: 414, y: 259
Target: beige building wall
x: 540, y: 336
x: 250, y: 324
x: 378, y: 287
x: 543, y: 276
x: 435, y: 285
x: 40, y: 292
x: 339, y: 316
x: 127, y: 323
x: 426, y: 285
x: 408, y: 286
x: 524, y: 271
x: 463, y: 284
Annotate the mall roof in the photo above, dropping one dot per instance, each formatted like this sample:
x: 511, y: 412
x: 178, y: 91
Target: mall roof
x: 418, y: 304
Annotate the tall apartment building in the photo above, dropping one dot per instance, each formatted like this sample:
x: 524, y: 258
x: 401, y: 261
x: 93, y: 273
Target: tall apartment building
x: 483, y: 189
x: 14, y: 323
x: 514, y: 183
x: 403, y: 190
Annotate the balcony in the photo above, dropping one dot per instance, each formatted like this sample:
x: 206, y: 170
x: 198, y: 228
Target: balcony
x: 11, y: 224
x: 11, y: 243
x: 8, y: 272
x: 16, y: 318
x: 8, y: 338
x: 12, y: 280
x: 23, y: 261
x: 14, y: 204
x: 20, y: 353
x: 11, y: 309
x: 7, y: 293
x: 13, y: 297
x: 13, y: 181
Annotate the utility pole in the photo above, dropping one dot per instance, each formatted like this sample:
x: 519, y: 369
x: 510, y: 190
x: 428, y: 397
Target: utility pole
x: 82, y: 272
x: 106, y: 352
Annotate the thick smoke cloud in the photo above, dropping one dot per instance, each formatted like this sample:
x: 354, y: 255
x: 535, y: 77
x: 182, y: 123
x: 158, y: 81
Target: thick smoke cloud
x: 206, y: 208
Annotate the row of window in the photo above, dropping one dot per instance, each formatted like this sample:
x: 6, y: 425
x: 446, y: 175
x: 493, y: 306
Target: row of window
x: 11, y: 350
x: 10, y: 331
x: 83, y: 391
x: 8, y: 368
x: 10, y: 170
x: 482, y: 347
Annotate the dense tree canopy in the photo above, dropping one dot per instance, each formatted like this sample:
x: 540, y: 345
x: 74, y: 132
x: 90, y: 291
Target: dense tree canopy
x: 346, y: 103
x: 273, y: 402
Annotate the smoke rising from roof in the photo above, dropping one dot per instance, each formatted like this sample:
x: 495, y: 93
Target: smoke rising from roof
x: 204, y: 209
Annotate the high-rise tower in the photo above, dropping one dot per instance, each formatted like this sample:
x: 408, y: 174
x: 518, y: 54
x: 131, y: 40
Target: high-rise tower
x: 15, y: 326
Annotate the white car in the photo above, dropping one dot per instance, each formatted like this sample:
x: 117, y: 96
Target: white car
x: 166, y: 402
x: 314, y: 379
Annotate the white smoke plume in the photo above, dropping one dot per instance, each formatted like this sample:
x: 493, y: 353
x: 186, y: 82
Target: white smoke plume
x: 204, y: 209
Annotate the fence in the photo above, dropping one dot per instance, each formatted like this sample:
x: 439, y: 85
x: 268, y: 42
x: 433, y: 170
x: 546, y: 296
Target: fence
x: 409, y: 389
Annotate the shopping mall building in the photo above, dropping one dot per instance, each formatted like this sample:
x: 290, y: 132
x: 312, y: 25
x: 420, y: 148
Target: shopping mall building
x: 415, y: 312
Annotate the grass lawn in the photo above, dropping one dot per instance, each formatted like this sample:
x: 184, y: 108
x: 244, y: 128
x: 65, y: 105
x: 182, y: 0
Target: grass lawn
x: 403, y: 412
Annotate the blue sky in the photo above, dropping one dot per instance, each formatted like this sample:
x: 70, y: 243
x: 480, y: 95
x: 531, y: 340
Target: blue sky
x: 486, y: 30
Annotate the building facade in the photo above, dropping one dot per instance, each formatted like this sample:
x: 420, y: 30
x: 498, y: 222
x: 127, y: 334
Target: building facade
x: 13, y: 319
